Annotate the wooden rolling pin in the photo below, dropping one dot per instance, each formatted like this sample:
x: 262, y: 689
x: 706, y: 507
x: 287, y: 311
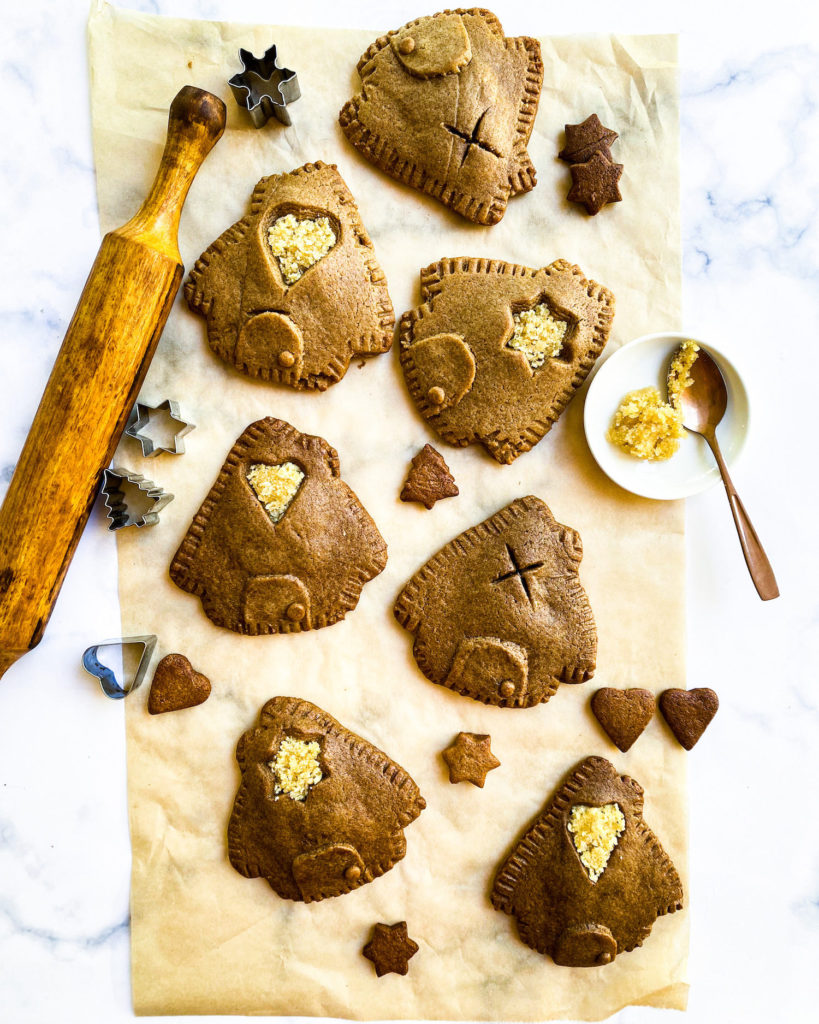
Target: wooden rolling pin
x: 95, y: 381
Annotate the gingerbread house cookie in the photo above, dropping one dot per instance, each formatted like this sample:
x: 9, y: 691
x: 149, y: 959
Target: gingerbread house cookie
x: 293, y: 291
x: 589, y: 878
x: 499, y: 614
x: 319, y: 811
x: 447, y: 105
x: 496, y: 351
x: 281, y: 543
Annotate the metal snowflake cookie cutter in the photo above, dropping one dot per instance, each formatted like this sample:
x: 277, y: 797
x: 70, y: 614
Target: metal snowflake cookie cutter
x: 264, y: 88
x: 111, y: 686
x: 140, y: 427
x: 132, y: 500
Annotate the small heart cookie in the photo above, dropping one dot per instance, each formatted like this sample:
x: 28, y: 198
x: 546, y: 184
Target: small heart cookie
x: 177, y: 685
x: 688, y: 713
x: 623, y: 713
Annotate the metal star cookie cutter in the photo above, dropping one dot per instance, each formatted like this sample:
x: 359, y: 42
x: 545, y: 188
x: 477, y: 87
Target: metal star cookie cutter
x: 111, y: 686
x: 264, y: 88
x: 139, y: 424
x: 132, y: 500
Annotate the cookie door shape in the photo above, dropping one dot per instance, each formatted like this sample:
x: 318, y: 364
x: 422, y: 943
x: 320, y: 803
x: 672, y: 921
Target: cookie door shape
x: 499, y: 614
x: 319, y: 811
x: 496, y: 351
x: 293, y: 291
x: 447, y: 105
x: 589, y: 878
x: 281, y: 543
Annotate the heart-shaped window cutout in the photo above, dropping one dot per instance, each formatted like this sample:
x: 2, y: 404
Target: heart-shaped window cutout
x: 298, y: 243
x: 275, y: 486
x: 538, y: 334
x: 296, y: 767
x: 595, y: 832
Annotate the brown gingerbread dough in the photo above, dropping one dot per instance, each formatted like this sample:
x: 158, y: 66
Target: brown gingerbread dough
x: 447, y: 106
x: 319, y: 811
x: 499, y: 614
x: 176, y: 686
x: 688, y: 713
x: 589, y: 878
x: 459, y: 360
x: 429, y: 479
x: 304, y: 331
x: 390, y: 948
x: 585, y: 139
x: 469, y: 758
x: 281, y: 543
x: 623, y: 714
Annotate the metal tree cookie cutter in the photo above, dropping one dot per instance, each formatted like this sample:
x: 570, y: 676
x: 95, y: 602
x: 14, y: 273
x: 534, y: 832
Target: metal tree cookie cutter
x: 143, y: 423
x: 132, y: 500
x: 111, y: 686
x: 264, y: 88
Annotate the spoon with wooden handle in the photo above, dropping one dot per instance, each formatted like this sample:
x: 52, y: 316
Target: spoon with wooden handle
x: 95, y: 381
x: 703, y: 402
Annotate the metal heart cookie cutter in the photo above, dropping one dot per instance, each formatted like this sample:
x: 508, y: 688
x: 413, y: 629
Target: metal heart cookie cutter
x: 264, y: 88
x: 111, y: 686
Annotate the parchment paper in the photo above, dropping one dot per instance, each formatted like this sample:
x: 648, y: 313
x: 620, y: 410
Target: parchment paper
x: 204, y: 939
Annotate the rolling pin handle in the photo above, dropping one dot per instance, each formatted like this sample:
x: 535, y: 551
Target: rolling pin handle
x: 195, y: 123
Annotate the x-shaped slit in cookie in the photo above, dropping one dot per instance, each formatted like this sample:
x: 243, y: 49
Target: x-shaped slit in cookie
x: 471, y: 139
x: 519, y: 571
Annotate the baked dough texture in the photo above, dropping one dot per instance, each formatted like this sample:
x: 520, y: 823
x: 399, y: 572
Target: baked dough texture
x: 345, y: 831
x: 499, y: 613
x: 447, y: 105
x: 276, y: 315
x: 302, y: 571
x: 465, y: 377
x: 560, y: 909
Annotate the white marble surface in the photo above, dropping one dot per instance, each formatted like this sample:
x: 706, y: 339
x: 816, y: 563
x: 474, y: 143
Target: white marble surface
x: 750, y: 150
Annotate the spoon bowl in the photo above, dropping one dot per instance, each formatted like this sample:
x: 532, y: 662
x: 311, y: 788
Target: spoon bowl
x: 704, y: 401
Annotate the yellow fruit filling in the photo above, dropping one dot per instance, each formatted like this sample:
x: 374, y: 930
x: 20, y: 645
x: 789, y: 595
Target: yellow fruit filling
x: 595, y: 832
x: 296, y: 767
x: 538, y: 334
x: 275, y: 486
x: 299, y: 244
x: 647, y: 427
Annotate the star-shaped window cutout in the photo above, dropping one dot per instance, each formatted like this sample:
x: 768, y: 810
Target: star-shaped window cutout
x: 390, y: 948
x: 470, y: 758
x: 585, y: 139
x: 594, y: 183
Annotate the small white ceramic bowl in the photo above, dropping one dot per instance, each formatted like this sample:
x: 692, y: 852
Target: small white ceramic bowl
x: 692, y: 469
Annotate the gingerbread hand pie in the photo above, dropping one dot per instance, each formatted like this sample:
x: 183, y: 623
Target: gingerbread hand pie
x: 447, y: 105
x: 496, y: 351
x: 499, y: 614
x: 293, y: 291
x: 319, y: 811
x: 589, y: 878
x: 281, y: 543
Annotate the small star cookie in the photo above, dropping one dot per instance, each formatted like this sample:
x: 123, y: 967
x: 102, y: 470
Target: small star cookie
x: 390, y: 948
x: 470, y: 759
x: 594, y: 183
x: 585, y: 139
